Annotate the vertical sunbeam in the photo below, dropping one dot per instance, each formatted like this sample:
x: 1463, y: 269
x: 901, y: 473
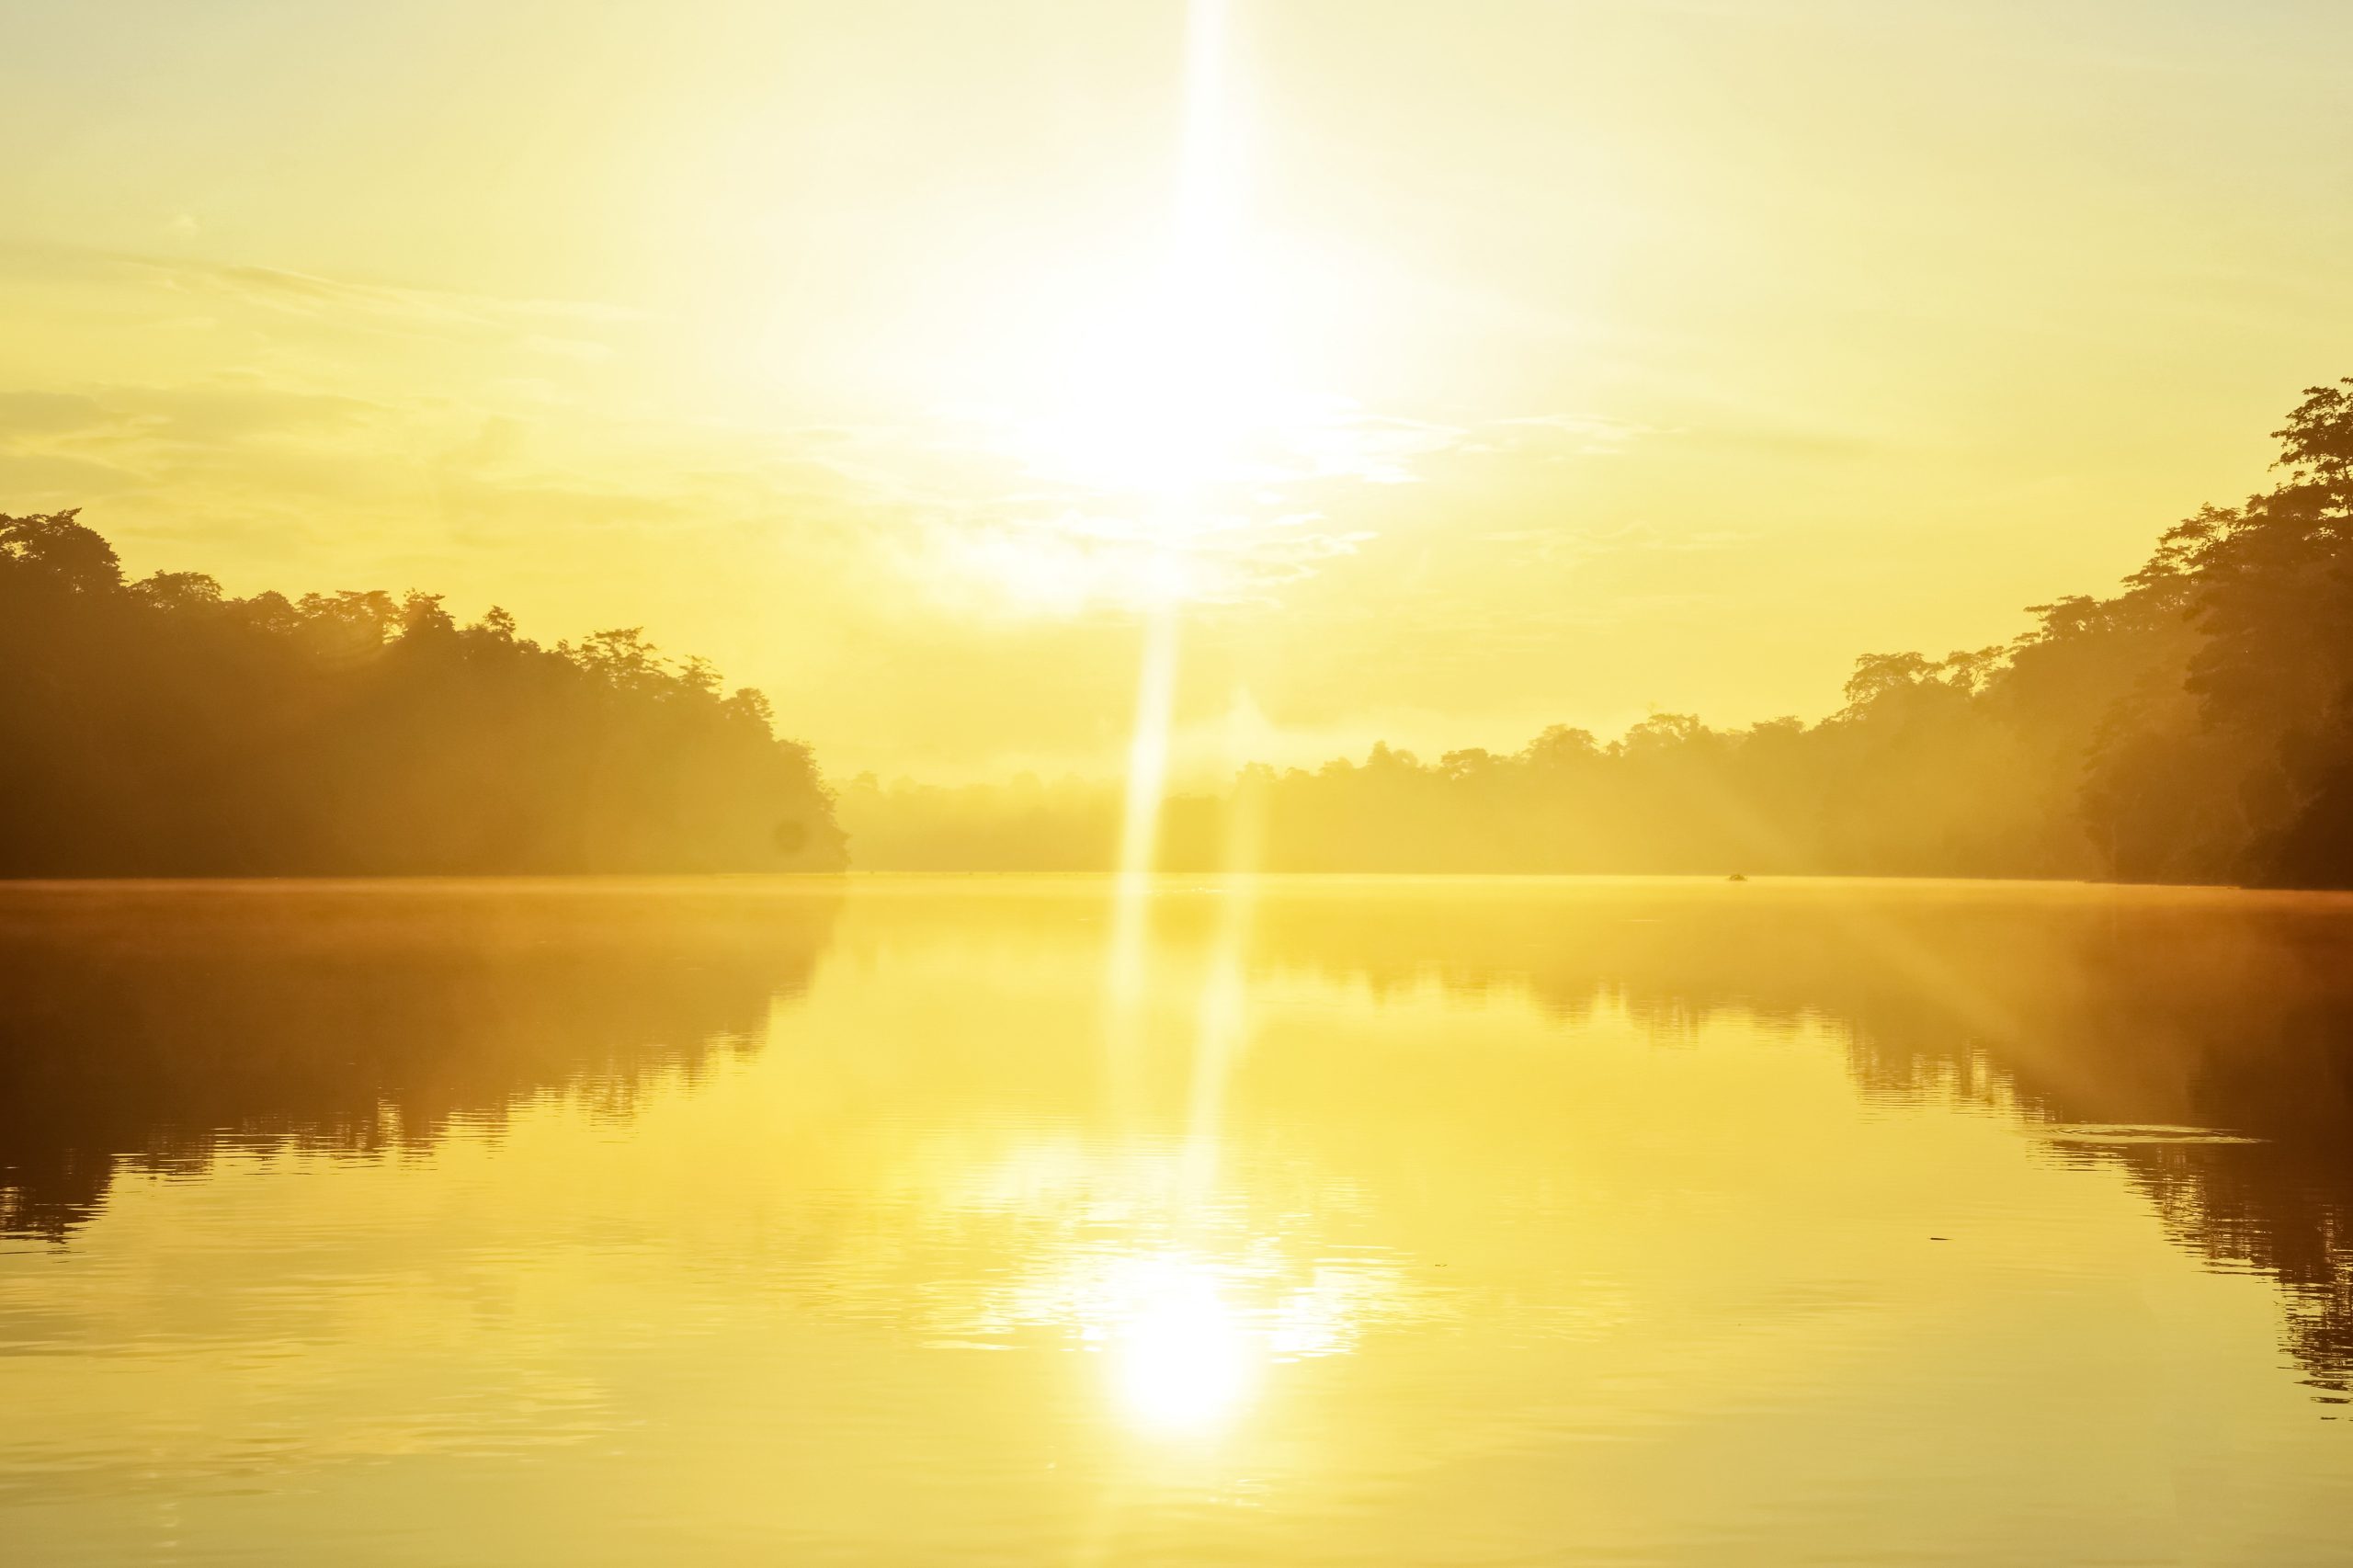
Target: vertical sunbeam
x: 1202, y: 193
x: 1198, y: 257
x: 1148, y: 747
x: 1147, y: 785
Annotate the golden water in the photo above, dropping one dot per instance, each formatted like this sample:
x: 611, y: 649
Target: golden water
x: 1342, y: 1221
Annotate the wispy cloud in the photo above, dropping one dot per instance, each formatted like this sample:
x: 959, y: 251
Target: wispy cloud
x: 308, y: 294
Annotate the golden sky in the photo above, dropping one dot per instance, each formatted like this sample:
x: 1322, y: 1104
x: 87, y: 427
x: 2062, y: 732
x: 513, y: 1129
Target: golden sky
x: 1453, y: 369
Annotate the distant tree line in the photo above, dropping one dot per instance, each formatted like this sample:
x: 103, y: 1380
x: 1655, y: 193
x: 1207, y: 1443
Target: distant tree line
x: 161, y: 727
x: 2196, y: 727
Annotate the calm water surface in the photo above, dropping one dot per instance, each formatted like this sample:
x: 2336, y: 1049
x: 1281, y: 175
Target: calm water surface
x: 1299, y: 1222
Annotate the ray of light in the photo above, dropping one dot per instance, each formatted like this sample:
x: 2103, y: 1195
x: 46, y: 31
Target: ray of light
x: 1147, y: 781
x: 1202, y: 219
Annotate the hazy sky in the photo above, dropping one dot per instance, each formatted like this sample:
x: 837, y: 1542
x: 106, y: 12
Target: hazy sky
x: 1456, y: 368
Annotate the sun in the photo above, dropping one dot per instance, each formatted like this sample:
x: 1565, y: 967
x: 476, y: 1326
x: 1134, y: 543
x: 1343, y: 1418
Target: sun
x: 1158, y: 416
x: 1158, y: 397
x: 1160, y: 391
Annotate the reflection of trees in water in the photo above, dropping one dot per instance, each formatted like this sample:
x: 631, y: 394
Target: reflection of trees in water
x: 2144, y: 1008
x: 2280, y: 1210
x: 156, y: 1028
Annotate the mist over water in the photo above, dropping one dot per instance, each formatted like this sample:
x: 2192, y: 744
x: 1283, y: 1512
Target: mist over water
x: 1374, y: 1221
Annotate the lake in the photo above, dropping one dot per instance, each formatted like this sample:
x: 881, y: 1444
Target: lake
x: 1287, y: 1221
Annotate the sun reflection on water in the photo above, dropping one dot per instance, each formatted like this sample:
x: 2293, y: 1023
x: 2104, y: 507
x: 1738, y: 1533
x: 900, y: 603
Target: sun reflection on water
x: 1187, y: 1338
x: 1182, y: 1359
x: 1184, y: 1300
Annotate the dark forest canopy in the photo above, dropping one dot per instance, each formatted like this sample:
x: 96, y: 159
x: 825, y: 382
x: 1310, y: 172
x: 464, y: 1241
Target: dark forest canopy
x: 2196, y: 727
x: 160, y: 728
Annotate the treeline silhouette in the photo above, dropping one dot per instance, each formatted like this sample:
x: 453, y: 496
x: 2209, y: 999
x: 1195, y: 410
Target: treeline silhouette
x: 2196, y: 727
x: 160, y: 727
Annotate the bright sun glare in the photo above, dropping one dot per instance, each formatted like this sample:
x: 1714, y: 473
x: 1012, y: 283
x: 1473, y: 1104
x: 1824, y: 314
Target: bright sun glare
x: 1169, y: 393
x: 1182, y: 1360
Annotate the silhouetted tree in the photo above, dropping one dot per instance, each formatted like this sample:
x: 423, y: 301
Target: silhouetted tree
x: 2198, y: 726
x: 163, y: 728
